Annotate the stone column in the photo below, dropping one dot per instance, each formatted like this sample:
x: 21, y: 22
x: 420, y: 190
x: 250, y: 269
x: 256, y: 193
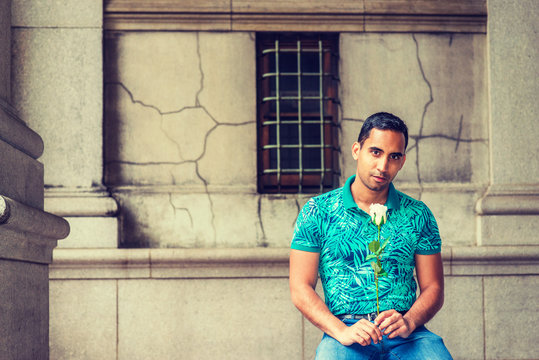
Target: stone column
x: 58, y: 90
x: 27, y: 233
x: 508, y: 211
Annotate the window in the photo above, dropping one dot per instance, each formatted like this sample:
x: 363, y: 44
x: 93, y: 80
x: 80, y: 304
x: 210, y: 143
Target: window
x: 297, y: 113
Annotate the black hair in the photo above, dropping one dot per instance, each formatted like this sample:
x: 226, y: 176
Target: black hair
x: 383, y: 121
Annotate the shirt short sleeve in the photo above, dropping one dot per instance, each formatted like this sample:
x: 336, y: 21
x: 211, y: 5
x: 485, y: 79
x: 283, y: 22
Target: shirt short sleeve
x: 429, y: 241
x: 307, y: 228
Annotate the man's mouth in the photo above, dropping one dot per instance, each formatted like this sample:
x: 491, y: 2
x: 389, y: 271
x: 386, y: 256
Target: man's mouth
x: 379, y: 178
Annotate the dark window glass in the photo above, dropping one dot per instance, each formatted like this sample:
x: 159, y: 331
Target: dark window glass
x: 297, y: 77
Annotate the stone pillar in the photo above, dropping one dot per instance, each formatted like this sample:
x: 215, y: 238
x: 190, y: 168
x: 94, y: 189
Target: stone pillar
x: 58, y: 90
x: 27, y: 233
x: 508, y: 211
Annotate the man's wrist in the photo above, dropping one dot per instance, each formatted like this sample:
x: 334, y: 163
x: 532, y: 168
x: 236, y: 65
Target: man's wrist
x: 410, y: 322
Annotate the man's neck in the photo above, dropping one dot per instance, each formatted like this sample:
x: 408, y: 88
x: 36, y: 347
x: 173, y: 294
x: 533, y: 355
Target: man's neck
x: 364, y: 197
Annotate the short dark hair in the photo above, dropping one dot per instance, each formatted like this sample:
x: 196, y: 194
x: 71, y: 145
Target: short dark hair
x: 383, y: 121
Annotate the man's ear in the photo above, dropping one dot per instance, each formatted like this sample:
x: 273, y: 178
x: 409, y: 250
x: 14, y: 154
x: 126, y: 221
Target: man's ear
x: 355, y: 150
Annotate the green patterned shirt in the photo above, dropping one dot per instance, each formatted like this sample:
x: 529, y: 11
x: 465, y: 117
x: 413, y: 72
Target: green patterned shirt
x: 333, y: 225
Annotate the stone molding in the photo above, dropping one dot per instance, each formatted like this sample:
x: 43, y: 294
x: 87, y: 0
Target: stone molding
x: 509, y: 199
x: 260, y: 263
x: 298, y: 15
x: 28, y: 234
x: 15, y: 132
x: 80, y: 203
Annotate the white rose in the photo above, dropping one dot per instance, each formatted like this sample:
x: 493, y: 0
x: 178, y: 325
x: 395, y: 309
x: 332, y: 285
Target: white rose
x: 378, y: 214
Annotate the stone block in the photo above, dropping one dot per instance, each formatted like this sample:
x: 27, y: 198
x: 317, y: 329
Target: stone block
x: 24, y: 310
x: 220, y: 219
x: 508, y: 229
x: 54, y: 13
x: 157, y: 132
x: 49, y: 62
x: 443, y: 79
x: 91, y: 232
x: 278, y: 214
x: 511, y: 309
x: 204, y: 319
x: 454, y: 213
x: 151, y: 66
x: 230, y: 156
x: 227, y: 63
x: 167, y: 220
x: 513, y: 89
x: 83, y: 319
x: 454, y: 317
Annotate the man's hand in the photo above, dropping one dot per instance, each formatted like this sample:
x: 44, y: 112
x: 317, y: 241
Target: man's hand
x: 393, y: 324
x: 362, y: 332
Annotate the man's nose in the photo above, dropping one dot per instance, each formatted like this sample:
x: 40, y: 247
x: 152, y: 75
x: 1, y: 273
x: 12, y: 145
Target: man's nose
x: 383, y: 164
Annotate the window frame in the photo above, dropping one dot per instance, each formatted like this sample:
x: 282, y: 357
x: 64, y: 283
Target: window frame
x: 280, y: 179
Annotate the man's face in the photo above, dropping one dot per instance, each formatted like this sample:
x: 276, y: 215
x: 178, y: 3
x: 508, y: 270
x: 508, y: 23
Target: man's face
x: 379, y: 159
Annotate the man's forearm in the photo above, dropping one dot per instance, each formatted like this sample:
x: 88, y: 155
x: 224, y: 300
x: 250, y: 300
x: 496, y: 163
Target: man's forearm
x: 428, y: 303
x: 316, y: 311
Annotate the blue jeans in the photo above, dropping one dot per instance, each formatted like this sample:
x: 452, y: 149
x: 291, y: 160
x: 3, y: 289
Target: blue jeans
x: 420, y: 345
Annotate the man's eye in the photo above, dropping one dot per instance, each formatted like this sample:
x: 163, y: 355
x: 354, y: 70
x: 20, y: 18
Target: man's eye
x: 395, y: 157
x: 375, y: 152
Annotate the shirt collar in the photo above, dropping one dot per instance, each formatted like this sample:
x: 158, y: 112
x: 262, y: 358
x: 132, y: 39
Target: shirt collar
x: 393, y: 200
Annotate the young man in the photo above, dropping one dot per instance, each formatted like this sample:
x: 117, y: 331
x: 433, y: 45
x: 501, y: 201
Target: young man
x: 331, y: 237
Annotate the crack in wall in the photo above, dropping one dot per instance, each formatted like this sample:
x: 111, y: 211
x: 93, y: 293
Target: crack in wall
x: 175, y: 208
x: 422, y: 122
x: 196, y: 161
x: 263, y: 242
x: 459, y: 133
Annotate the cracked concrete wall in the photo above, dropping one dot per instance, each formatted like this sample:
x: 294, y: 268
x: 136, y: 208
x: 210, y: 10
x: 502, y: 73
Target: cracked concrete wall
x: 437, y: 84
x: 180, y: 132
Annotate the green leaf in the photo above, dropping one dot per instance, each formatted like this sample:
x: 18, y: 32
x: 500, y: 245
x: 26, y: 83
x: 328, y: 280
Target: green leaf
x: 374, y: 246
x: 382, y: 273
x: 370, y: 256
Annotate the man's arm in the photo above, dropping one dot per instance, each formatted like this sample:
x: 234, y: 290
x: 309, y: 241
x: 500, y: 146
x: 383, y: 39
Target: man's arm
x: 303, y: 279
x: 430, y: 276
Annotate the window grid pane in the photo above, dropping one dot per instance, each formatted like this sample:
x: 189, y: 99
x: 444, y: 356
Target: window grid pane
x: 297, y: 113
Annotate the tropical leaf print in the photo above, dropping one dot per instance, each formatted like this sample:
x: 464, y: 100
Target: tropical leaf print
x: 342, y: 236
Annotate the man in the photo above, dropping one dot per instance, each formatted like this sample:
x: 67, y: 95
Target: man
x: 331, y: 237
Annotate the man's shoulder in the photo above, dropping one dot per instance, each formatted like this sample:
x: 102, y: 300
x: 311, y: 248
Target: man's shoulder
x: 412, y: 205
x: 328, y: 199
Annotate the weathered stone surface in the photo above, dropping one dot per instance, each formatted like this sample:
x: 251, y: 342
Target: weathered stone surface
x: 24, y: 308
x: 91, y: 232
x: 515, y: 295
x: 436, y: 86
x: 83, y: 319
x: 513, y: 89
x: 57, y: 13
x: 453, y: 211
x: 160, y: 70
x: 48, y: 62
x: 230, y: 156
x: 227, y: 63
x: 216, y: 313
x: 453, y: 317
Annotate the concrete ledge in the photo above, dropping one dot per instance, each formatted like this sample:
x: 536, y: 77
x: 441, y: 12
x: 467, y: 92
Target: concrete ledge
x: 28, y: 234
x: 26, y: 219
x: 298, y: 15
x: 259, y: 262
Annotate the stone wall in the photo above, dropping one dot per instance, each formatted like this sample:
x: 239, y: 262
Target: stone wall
x: 180, y: 147
x: 148, y: 120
